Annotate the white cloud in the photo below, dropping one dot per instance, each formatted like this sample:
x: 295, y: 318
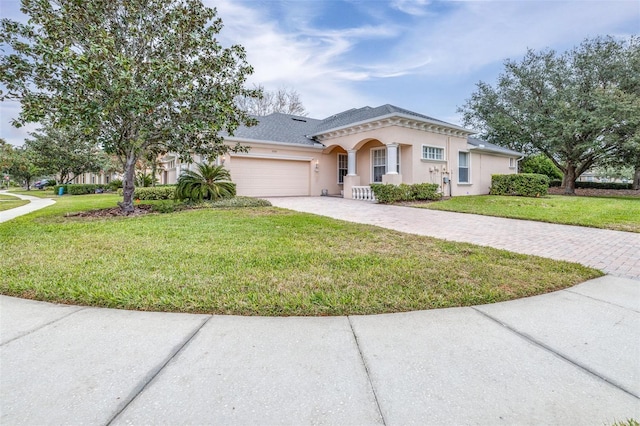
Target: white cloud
x: 312, y: 61
x: 374, y: 56
x: 476, y: 34
x: 411, y: 7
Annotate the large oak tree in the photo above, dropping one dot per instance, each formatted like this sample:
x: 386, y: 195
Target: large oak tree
x: 137, y: 76
x: 580, y: 108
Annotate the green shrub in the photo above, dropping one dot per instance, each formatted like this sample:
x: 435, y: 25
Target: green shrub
x: 167, y: 207
x: 425, y: 191
x: 555, y: 183
x: 604, y: 185
x: 115, y: 184
x: 594, y: 185
x: 154, y: 193
x: 522, y: 184
x: 386, y: 193
x: 540, y: 164
x: 85, y: 188
x: 240, y: 202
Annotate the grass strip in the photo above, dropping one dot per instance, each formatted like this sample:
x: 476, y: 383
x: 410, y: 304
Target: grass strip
x: 620, y: 213
x: 6, y: 204
x: 256, y: 261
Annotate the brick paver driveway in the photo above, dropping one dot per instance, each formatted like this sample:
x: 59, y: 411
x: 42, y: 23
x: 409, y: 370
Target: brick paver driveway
x: 614, y: 252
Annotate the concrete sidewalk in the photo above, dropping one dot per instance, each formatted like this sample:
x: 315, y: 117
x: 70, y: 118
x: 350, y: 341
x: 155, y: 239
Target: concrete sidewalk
x: 35, y: 203
x: 569, y: 357
x: 614, y: 252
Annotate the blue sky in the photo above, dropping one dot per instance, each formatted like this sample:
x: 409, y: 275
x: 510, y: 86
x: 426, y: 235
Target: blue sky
x: 426, y: 56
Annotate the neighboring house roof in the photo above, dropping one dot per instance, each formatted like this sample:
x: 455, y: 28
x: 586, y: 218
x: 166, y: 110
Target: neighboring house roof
x: 480, y: 145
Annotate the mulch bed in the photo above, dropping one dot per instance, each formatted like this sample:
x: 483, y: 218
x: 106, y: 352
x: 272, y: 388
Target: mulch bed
x: 139, y: 210
x: 592, y: 192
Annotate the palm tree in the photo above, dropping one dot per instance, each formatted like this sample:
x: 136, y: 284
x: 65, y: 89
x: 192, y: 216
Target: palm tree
x: 207, y: 183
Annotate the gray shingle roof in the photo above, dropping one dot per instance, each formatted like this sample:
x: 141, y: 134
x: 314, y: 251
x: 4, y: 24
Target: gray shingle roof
x: 368, y: 113
x: 487, y: 146
x: 278, y: 127
x: 286, y: 128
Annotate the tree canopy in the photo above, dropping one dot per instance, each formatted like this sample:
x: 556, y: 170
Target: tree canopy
x: 284, y: 100
x: 18, y: 163
x: 136, y: 76
x: 580, y: 109
x: 64, y: 153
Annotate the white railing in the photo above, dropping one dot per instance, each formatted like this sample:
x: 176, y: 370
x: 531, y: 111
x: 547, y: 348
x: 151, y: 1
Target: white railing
x: 362, y: 193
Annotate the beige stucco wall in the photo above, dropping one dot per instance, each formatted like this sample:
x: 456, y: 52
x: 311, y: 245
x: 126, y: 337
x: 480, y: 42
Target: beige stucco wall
x: 482, y: 166
x: 413, y: 169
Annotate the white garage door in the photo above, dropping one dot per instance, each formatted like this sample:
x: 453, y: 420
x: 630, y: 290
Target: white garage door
x: 260, y: 177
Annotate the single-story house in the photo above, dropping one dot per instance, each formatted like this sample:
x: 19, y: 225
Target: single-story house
x: 343, y: 154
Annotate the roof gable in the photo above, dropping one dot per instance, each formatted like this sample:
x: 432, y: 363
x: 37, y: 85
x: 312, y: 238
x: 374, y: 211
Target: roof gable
x: 366, y: 114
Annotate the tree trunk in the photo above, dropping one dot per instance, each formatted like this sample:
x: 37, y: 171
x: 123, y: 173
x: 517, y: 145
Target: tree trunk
x: 636, y: 179
x: 569, y: 180
x: 128, y: 185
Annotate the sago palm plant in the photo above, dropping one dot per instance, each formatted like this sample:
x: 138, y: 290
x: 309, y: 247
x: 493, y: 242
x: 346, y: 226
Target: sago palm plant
x: 207, y: 183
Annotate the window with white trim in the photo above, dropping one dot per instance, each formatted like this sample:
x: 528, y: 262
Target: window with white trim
x: 432, y: 153
x: 378, y: 164
x: 463, y: 167
x: 343, y: 167
x: 512, y: 163
x: 398, y: 161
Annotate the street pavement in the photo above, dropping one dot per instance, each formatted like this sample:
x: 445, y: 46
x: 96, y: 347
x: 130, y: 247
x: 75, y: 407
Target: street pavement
x: 568, y: 357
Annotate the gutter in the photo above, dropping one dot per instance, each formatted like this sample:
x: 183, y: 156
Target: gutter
x: 316, y: 145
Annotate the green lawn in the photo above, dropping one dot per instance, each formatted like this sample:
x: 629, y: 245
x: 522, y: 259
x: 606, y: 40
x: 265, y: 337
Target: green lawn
x: 256, y: 261
x: 41, y: 193
x: 618, y: 213
x: 8, y: 202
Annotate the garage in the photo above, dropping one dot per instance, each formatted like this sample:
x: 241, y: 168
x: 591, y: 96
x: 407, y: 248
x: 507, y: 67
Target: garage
x: 268, y: 177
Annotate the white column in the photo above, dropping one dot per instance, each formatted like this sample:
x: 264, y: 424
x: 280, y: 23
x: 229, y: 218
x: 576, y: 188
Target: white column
x: 392, y: 159
x: 351, y: 162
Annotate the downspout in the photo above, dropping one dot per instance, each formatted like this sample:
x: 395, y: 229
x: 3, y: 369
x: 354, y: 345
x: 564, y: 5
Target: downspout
x: 447, y: 165
x: 517, y: 165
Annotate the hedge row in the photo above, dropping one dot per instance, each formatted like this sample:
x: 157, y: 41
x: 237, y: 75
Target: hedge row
x: 595, y: 185
x: 80, y: 189
x: 522, y: 184
x: 389, y: 193
x: 167, y: 192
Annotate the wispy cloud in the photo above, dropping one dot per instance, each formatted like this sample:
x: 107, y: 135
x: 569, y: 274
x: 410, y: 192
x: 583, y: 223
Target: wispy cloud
x: 421, y: 54
x: 411, y: 7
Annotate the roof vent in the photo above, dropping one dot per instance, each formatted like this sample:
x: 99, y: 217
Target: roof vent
x: 299, y: 119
